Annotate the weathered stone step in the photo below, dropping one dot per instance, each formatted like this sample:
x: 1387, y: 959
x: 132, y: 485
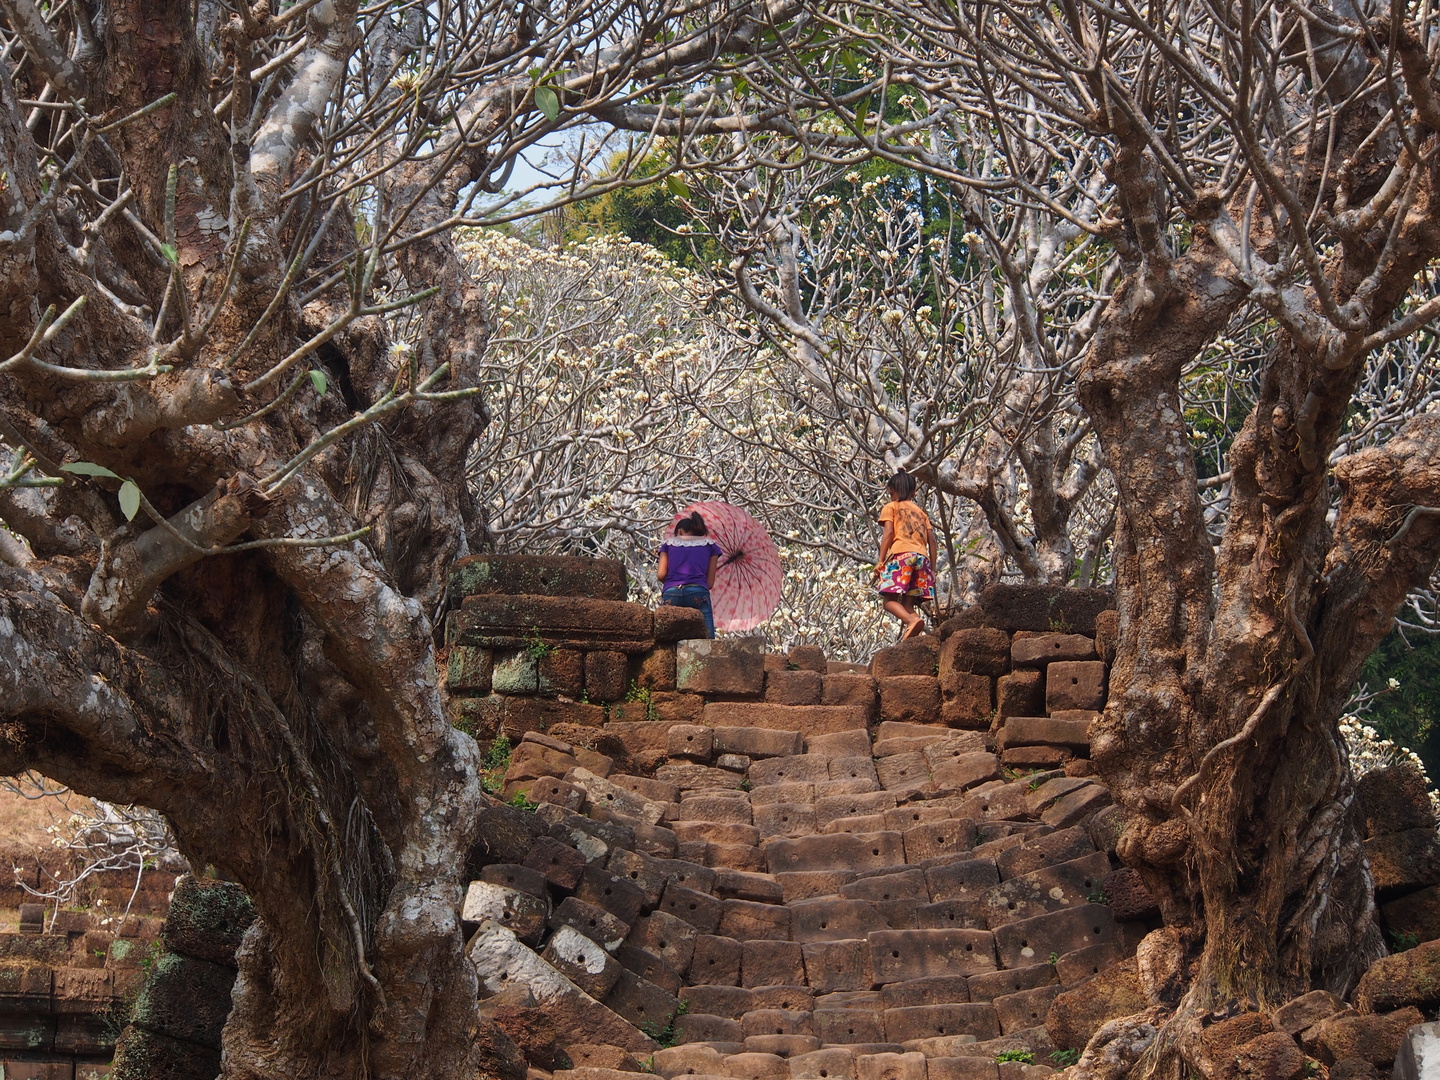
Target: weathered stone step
x: 805, y: 719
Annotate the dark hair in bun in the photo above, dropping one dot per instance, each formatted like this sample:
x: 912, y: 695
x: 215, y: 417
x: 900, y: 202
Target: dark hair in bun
x: 694, y: 525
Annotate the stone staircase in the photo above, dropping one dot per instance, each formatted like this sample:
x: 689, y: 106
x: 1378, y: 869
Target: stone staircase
x: 779, y: 866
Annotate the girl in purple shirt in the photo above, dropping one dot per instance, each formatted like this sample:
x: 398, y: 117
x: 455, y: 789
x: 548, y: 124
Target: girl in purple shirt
x: 687, y: 568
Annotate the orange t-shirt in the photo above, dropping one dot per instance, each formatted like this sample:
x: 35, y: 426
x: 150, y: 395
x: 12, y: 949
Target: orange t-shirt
x: 912, y: 528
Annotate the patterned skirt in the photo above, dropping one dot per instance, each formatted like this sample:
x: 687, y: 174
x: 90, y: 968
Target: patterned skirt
x: 908, y: 574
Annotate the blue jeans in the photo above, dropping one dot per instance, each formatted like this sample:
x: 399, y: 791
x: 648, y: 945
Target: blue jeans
x: 691, y: 596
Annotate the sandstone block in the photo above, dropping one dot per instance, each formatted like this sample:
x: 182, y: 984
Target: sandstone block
x: 908, y: 1066
x: 861, y: 767
x: 1419, y: 1054
x: 644, y: 1004
x: 1075, y: 807
x: 808, y: 720
x: 595, y: 923
x: 829, y: 1064
x: 933, y: 1021
x: 525, y: 714
x: 521, y: 913
x: 1037, y: 757
x: 1044, y: 608
x: 1025, y: 1009
x: 848, y: 1026
x: 968, y: 879
x: 777, y: 1022
x: 961, y: 771
x: 901, y: 955
x: 832, y: 966
x: 593, y: 1056
x: 665, y: 937
x: 700, y: 1027
x: 678, y: 623
x: 726, y: 666
x: 942, y: 989
x: 549, y: 790
x: 1043, y: 730
x: 807, y: 658
x: 858, y: 852
x: 794, y: 769
x: 1417, y: 914
x: 1104, y: 828
x: 757, y: 742
x: 950, y: 915
x: 1306, y: 1011
x: 793, y: 687
x: 606, y: 672
x: 561, y: 864
x: 850, y: 688
x: 1030, y: 941
x: 731, y: 1002
x: 967, y: 701
x: 689, y: 741
x: 700, y: 910
x: 509, y: 622
x: 716, y: 808
x: 785, y: 819
x: 767, y: 962
x: 1020, y: 693
x: 807, y: 885
x: 1075, y: 684
x: 1051, y: 791
x: 1029, y: 649
x: 732, y: 884
x: 1407, y: 978
x: 691, y: 777
x: 858, y: 823
x: 906, y: 885
x: 538, y: 575
x: 829, y: 919
x: 1393, y: 800
x: 998, y: 984
x: 513, y: 876
x: 1404, y: 862
x: 582, y: 961
x: 903, y: 772
x: 1077, y: 1014
x: 1055, y: 887
x: 745, y: 920
x: 1374, y: 1038
x: 716, y: 961
x: 561, y: 671
x: 910, y: 698
x: 469, y: 669
x: 654, y: 670
x: 939, y: 839
x: 980, y: 651
x: 1076, y: 967
x: 686, y: 1060
x: 963, y: 1068
x: 918, y: 656
x: 782, y: 792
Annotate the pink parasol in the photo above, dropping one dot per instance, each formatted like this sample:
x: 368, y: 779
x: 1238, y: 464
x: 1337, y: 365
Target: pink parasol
x: 748, y: 580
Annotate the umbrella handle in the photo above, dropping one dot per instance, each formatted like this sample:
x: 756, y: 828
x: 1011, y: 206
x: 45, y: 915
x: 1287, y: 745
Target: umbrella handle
x: 731, y: 558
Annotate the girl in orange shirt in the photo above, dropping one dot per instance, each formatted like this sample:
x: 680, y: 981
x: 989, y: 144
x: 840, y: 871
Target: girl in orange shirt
x: 905, y: 568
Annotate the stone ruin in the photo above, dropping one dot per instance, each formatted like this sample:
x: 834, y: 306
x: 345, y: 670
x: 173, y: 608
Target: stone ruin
x: 751, y: 866
x: 706, y: 860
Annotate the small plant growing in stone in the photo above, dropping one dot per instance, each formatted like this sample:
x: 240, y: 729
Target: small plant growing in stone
x: 1404, y: 942
x: 522, y: 802
x: 1024, y: 1057
x: 1054, y: 958
x: 494, y: 764
x: 1064, y: 1058
x: 642, y: 694
x: 1097, y: 897
x: 536, y: 647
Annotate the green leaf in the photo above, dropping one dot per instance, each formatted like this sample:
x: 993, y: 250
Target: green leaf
x: 129, y: 499
x: 88, y: 468
x: 547, y: 101
x: 851, y: 64
x: 317, y: 380
x: 677, y: 186
x: 171, y: 255
x: 860, y: 112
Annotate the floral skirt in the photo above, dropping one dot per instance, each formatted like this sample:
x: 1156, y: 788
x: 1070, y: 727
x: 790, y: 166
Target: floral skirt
x: 908, y: 574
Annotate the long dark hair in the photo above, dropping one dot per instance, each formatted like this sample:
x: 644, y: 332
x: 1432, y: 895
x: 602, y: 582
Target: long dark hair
x: 902, y: 486
x: 694, y: 525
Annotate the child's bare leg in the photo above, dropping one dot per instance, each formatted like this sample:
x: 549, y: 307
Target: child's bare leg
x: 904, y: 610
